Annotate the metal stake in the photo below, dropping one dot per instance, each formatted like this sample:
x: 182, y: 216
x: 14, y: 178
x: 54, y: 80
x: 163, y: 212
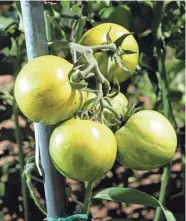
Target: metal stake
x: 36, y: 43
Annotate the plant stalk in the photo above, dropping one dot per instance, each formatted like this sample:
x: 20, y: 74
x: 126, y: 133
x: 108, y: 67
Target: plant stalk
x: 88, y: 196
x: 17, y: 132
x: 21, y: 162
x: 80, y: 28
x: 161, y: 54
x: 48, y: 12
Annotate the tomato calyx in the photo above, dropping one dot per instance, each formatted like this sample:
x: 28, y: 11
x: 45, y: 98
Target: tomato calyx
x: 97, y: 113
x: 115, y: 88
x: 129, y: 111
x: 115, y: 57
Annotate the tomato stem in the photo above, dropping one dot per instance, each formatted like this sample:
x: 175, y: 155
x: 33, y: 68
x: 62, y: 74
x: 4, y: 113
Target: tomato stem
x: 53, y: 21
x: 164, y: 184
x: 48, y: 11
x: 93, y: 65
x: 18, y: 137
x: 88, y: 196
x: 76, y: 77
x: 99, y: 94
x: 21, y: 162
x: 163, y: 80
x: 110, y: 47
x: 80, y: 28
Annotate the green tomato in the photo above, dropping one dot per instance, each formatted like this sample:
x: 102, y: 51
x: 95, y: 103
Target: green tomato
x: 119, y: 103
x: 98, y: 36
x: 43, y: 92
x: 147, y: 141
x: 83, y: 150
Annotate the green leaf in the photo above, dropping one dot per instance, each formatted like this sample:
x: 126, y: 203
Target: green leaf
x: 106, y: 12
x: 65, y: 3
x: 133, y: 196
x: 120, y: 15
x: 5, y: 21
x: 104, y: 2
x: 127, y: 195
x: 119, y: 41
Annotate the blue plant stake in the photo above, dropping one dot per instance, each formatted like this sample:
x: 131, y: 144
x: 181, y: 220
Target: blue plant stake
x: 36, y: 43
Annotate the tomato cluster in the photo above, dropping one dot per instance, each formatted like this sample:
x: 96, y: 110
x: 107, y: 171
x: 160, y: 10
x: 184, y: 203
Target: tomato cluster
x: 83, y: 146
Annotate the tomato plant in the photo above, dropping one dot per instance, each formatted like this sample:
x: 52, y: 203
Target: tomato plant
x: 43, y: 91
x: 147, y: 141
x: 82, y: 149
x: 109, y: 33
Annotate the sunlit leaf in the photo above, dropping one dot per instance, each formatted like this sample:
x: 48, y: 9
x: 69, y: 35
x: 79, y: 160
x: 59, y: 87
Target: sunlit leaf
x: 133, y: 196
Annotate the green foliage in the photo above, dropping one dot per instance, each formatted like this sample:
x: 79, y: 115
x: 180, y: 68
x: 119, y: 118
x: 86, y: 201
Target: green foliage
x: 127, y: 195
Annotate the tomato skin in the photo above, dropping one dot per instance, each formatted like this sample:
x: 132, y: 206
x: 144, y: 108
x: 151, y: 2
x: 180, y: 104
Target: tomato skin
x: 147, y: 141
x: 98, y: 36
x: 83, y: 150
x: 43, y: 92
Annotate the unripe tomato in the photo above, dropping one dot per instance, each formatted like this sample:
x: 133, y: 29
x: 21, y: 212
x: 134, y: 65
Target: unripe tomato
x: 119, y: 103
x: 43, y: 91
x: 98, y: 36
x: 147, y: 141
x: 83, y: 150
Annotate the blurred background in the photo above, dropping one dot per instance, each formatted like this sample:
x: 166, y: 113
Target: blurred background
x: 144, y: 88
